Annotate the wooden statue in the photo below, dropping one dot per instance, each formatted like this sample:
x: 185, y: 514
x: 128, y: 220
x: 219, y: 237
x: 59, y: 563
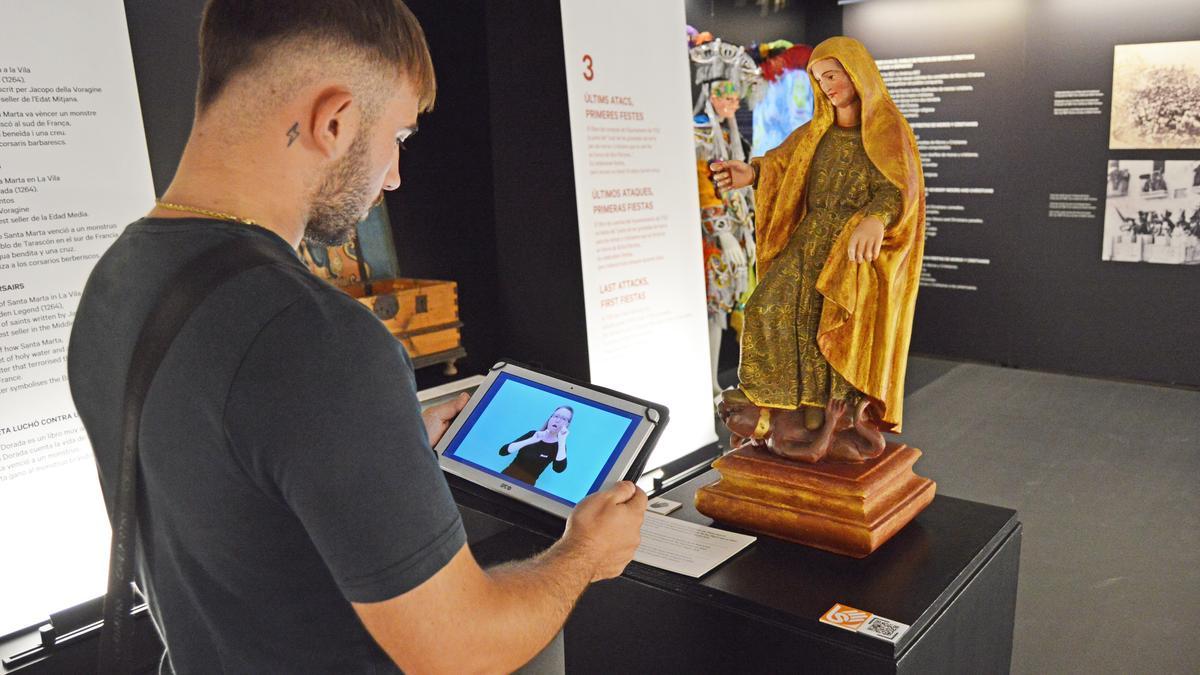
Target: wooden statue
x: 841, y: 230
x: 840, y: 234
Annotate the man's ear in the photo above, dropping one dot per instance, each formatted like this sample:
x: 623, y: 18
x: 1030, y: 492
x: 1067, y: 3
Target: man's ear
x: 333, y: 120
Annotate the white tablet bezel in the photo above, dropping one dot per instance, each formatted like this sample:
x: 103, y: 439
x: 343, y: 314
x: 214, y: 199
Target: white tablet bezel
x: 500, y: 484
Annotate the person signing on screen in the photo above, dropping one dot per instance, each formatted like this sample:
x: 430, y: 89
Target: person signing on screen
x: 538, y: 449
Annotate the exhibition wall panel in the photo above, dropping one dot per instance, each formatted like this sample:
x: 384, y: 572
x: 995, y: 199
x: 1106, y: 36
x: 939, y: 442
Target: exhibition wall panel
x: 73, y: 172
x: 964, y: 120
x: 1098, y: 314
x: 636, y: 195
x: 1013, y: 102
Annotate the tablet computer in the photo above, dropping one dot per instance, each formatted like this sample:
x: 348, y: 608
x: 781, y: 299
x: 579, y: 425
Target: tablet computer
x: 547, y: 440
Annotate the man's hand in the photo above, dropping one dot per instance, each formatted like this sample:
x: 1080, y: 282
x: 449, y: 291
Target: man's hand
x: 605, y: 528
x: 438, y: 418
x: 732, y: 174
x: 866, y: 240
x: 480, y: 609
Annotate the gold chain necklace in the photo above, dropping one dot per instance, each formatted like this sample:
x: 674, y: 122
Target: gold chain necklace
x: 205, y: 212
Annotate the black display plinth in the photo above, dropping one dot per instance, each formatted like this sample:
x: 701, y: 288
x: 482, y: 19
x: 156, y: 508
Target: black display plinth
x: 951, y: 575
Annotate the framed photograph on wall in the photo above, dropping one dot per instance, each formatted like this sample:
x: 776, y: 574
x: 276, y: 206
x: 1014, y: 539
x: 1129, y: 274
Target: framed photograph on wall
x: 1156, y: 96
x: 1153, y: 212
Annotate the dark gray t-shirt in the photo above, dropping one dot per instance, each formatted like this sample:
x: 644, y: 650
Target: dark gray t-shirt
x: 284, y: 467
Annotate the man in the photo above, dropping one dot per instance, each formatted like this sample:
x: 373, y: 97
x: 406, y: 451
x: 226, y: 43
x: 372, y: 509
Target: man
x: 285, y: 528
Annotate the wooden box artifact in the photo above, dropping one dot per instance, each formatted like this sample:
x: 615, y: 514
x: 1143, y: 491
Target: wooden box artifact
x: 421, y: 313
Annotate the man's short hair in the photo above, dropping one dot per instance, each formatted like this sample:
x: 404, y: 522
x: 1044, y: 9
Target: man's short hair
x: 236, y: 35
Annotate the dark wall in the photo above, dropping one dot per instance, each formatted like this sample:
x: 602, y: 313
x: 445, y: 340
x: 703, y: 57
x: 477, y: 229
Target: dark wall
x: 163, y: 38
x: 967, y: 324
x: 1046, y: 300
x: 744, y: 23
x: 540, y: 273
x: 1082, y: 314
x: 823, y: 19
x: 489, y: 195
x: 442, y: 216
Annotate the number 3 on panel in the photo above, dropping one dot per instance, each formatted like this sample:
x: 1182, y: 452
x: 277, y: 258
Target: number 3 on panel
x: 588, y: 73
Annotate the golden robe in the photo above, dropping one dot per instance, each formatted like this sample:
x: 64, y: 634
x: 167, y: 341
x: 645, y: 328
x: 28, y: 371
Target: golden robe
x: 786, y: 308
x: 867, y: 308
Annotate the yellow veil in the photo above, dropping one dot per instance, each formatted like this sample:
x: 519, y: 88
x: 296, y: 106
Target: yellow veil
x: 866, y: 323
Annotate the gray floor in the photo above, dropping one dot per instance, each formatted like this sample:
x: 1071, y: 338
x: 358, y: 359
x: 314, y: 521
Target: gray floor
x: 1104, y: 476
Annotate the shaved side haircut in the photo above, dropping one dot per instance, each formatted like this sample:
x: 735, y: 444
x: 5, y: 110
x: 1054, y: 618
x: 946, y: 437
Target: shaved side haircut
x: 237, y: 36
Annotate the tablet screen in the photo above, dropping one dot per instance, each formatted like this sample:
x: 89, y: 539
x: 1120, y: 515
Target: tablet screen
x: 555, y: 443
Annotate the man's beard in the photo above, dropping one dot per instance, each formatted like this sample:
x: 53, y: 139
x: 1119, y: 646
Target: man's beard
x: 341, y: 198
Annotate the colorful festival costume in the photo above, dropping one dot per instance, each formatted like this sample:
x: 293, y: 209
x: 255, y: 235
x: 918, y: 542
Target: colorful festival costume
x: 727, y: 220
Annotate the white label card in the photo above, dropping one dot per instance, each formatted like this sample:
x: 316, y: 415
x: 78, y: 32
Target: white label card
x: 686, y: 548
x: 663, y: 506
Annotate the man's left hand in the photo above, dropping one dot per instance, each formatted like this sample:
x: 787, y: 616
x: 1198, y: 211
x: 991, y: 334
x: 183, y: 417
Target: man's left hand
x: 438, y: 418
x: 866, y: 240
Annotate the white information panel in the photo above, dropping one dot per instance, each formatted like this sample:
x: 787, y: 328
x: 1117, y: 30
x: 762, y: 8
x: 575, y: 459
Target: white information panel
x: 639, y: 221
x: 73, y: 172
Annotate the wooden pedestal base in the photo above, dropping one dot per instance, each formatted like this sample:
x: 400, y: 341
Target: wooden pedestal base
x: 851, y: 509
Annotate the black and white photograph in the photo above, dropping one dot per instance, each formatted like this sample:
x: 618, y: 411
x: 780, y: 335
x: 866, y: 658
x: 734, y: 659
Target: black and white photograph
x: 1156, y: 96
x: 1153, y: 212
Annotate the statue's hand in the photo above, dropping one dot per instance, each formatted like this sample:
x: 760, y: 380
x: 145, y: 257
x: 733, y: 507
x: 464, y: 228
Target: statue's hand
x: 731, y: 174
x: 866, y: 240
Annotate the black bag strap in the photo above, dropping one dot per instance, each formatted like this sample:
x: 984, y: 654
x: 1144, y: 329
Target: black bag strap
x: 198, y: 278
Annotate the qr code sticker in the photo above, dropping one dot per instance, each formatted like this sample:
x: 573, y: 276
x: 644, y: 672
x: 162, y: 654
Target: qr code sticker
x: 884, y: 629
